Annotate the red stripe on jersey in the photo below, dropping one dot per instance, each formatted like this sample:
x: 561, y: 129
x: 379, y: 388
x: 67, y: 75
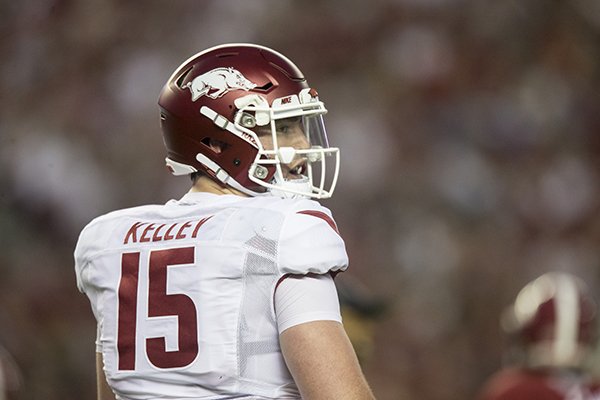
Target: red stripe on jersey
x: 276, y: 286
x: 323, y: 216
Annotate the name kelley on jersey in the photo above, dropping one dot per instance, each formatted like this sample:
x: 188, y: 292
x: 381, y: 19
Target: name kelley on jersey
x: 141, y: 232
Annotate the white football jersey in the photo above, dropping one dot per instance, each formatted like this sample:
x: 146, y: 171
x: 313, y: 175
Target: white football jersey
x: 183, y: 292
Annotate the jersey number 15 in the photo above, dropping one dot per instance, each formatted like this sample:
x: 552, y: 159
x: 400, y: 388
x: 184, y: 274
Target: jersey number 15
x: 160, y: 304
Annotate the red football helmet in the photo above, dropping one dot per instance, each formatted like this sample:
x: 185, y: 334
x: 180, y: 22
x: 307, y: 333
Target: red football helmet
x: 227, y: 94
x: 554, y: 319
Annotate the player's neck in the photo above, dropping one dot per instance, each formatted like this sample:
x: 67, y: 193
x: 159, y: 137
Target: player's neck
x: 206, y: 184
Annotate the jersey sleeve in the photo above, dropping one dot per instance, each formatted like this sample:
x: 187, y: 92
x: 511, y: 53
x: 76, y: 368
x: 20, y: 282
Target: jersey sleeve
x: 307, y: 298
x: 310, y: 241
x: 92, y: 240
x: 90, y: 243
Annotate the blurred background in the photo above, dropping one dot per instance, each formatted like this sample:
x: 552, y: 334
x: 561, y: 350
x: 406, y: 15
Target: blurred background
x: 470, y: 137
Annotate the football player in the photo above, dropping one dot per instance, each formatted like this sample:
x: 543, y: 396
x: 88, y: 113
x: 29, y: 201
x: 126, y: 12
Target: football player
x: 227, y: 292
x: 553, y: 323
x: 361, y: 311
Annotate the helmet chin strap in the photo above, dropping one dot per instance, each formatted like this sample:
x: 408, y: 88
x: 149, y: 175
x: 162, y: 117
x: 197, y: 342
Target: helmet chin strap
x: 223, y: 176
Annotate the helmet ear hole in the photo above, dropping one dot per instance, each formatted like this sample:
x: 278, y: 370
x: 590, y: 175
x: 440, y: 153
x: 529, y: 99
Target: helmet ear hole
x: 216, y: 146
x: 205, y: 141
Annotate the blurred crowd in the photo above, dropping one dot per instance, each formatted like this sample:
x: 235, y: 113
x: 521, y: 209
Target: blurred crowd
x: 470, y: 139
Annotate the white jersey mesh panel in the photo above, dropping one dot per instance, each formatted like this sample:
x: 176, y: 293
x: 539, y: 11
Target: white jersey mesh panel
x: 258, y: 341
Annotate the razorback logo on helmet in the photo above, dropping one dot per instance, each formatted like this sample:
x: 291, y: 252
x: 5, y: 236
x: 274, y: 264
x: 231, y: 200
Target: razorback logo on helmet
x: 215, y: 83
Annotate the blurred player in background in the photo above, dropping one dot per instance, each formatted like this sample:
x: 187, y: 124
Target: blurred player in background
x: 10, y: 376
x: 361, y: 311
x: 227, y: 292
x: 553, y: 323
